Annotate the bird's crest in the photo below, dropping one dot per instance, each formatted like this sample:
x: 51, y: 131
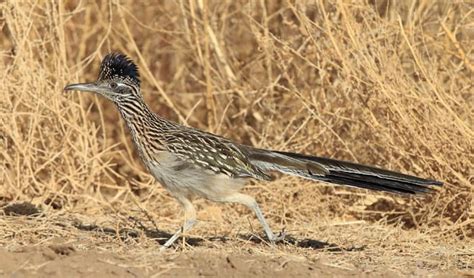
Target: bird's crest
x: 118, y: 65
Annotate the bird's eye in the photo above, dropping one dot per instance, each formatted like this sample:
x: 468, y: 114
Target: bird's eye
x: 113, y: 85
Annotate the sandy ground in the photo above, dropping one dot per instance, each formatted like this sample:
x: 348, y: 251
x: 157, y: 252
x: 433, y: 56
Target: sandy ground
x: 73, y: 245
x: 64, y: 260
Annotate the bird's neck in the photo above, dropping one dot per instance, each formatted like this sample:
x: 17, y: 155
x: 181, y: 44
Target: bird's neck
x: 139, y: 117
x: 133, y: 109
x: 136, y: 114
x: 143, y: 125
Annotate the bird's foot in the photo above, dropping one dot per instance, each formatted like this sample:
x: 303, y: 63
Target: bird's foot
x: 280, y: 237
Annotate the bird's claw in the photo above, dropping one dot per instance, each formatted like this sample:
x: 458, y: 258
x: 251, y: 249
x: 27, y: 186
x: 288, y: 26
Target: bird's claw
x: 280, y: 237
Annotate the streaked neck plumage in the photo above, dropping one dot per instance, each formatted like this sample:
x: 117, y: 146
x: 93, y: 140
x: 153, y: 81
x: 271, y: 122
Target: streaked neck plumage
x: 133, y: 108
x: 148, y: 130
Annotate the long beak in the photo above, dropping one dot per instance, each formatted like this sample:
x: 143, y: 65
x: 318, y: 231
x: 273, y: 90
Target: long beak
x: 85, y: 87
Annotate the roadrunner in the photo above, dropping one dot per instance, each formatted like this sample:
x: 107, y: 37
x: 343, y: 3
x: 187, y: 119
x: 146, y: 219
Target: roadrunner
x: 189, y: 162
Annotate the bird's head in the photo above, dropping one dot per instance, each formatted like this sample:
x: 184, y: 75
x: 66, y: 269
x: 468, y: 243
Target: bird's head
x: 118, y: 79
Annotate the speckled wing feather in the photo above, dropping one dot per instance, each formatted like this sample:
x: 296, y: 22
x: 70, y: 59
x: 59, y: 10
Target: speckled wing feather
x: 212, y: 152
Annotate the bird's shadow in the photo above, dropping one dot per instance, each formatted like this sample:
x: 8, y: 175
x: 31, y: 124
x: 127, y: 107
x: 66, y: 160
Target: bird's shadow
x: 306, y: 243
x: 161, y: 237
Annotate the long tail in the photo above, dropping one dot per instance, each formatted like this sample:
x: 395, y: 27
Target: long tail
x: 340, y: 172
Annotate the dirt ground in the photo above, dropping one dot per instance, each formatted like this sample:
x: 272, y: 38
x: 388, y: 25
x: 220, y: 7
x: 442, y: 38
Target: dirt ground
x: 79, y: 246
x: 65, y: 261
x: 378, y: 82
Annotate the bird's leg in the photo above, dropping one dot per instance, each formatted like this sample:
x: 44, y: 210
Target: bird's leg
x: 252, y: 204
x: 190, y: 221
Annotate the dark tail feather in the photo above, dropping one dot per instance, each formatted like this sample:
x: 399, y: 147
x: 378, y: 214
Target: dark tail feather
x: 341, y: 172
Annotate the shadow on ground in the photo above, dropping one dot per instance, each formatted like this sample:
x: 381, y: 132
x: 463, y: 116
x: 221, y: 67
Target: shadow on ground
x: 161, y: 236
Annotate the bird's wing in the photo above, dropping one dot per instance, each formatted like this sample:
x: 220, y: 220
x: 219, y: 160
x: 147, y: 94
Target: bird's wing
x: 212, y: 152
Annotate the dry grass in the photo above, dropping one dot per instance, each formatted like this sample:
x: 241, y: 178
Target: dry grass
x: 368, y: 81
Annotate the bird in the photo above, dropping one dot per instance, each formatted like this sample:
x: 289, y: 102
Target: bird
x: 190, y: 163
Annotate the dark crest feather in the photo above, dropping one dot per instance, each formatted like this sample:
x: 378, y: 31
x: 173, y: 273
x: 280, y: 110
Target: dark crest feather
x: 118, y: 65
